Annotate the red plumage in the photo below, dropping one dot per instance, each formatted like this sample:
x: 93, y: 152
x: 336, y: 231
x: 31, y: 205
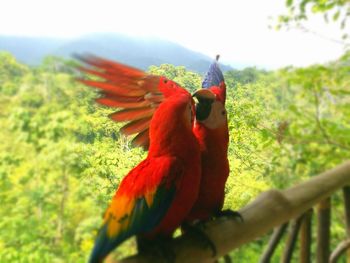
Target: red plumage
x: 213, y: 137
x: 155, y: 197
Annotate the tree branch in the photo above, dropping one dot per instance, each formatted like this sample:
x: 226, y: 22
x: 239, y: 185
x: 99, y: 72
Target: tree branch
x: 292, y: 240
x: 269, y: 210
x: 306, y: 238
x: 273, y: 243
x: 339, y: 250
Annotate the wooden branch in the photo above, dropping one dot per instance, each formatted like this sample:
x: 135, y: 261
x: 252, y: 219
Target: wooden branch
x: 323, y: 230
x: 291, y: 241
x: 273, y: 242
x: 346, y: 194
x: 269, y: 210
x: 339, y: 250
x: 305, y: 238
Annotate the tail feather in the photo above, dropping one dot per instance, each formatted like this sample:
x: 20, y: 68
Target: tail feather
x: 104, y: 245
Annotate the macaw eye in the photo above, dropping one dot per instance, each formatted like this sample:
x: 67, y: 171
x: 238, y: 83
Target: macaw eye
x: 203, y: 109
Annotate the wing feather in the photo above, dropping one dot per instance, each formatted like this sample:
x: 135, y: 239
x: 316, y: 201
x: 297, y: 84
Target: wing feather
x: 110, y: 66
x: 141, y: 139
x: 132, y: 114
x: 118, y: 102
x: 114, y: 89
x: 136, y: 93
x: 139, y: 204
x: 136, y: 126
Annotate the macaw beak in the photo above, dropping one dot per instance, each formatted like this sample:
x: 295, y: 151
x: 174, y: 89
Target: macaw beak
x: 205, y: 99
x: 204, y: 94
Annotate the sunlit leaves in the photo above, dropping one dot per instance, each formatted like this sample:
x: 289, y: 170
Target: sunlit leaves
x: 61, y: 160
x: 333, y: 11
x: 179, y: 74
x: 61, y: 157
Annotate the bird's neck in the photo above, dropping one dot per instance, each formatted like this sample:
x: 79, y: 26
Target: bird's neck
x: 214, y: 141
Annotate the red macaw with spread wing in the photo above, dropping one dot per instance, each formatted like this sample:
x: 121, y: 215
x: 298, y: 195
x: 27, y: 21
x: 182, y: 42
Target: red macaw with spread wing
x: 155, y: 197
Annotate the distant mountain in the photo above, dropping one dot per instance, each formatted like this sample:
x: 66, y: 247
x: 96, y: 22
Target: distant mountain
x: 138, y: 52
x: 29, y: 50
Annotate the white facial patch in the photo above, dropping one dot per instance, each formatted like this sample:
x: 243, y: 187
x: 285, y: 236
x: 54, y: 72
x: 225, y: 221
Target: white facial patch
x: 217, y: 116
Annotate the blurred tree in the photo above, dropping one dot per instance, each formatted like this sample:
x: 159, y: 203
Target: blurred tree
x: 333, y: 11
x: 179, y: 74
x: 244, y: 76
x: 61, y: 158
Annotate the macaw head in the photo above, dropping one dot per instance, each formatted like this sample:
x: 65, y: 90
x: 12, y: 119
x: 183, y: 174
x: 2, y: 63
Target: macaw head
x: 215, y: 82
x: 211, y: 111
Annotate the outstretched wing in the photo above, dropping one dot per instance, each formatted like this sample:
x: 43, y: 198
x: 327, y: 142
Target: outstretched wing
x: 135, y: 92
x: 139, y: 204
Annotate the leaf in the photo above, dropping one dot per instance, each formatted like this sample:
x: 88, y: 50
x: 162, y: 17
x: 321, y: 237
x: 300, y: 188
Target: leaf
x: 336, y: 16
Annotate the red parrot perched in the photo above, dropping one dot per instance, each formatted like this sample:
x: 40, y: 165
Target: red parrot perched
x: 211, y: 131
x: 154, y: 197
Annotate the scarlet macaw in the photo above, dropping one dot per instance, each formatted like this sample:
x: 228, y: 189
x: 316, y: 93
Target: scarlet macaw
x: 211, y: 131
x: 154, y: 197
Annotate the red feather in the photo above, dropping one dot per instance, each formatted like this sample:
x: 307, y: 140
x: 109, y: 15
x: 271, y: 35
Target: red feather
x: 173, y: 160
x: 215, y: 165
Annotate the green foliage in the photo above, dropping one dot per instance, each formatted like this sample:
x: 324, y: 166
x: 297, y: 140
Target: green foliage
x: 62, y: 158
x: 289, y: 125
x: 333, y: 11
x: 179, y: 74
x: 245, y: 76
x: 10, y: 73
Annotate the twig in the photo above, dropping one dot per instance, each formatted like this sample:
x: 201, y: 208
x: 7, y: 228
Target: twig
x: 274, y: 241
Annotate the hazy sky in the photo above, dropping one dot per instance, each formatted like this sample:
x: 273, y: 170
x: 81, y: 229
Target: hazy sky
x: 238, y: 30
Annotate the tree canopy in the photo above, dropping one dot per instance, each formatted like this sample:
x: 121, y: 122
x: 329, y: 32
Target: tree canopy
x: 62, y: 158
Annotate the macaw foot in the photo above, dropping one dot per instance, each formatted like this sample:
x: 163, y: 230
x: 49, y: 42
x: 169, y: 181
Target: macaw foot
x: 157, y: 248
x: 230, y: 214
x: 196, y: 231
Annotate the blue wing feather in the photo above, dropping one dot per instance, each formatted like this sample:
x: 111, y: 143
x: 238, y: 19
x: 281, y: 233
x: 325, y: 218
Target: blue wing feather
x: 142, y: 219
x: 213, y: 77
